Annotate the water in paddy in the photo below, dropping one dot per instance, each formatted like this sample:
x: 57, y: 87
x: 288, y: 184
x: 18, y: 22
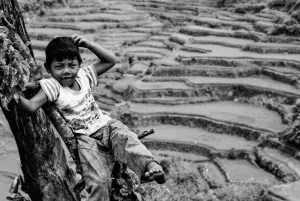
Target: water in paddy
x: 160, y: 85
x: 256, y: 116
x: 258, y: 81
x: 289, y: 192
x: 9, y: 158
x: 229, y: 40
x: 284, y: 69
x: 243, y: 171
x: 238, y: 41
x: 4, y: 187
x: 199, y: 136
x: 222, y: 51
x: 9, y: 169
x: 180, y: 155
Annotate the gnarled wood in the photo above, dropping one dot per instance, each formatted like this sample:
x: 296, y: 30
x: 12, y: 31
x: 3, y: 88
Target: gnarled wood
x: 44, y: 161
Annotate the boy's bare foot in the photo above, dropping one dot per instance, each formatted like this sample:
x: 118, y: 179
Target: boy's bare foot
x: 154, y: 172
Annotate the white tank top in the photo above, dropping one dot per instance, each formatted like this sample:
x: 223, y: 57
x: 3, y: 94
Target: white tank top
x: 78, y: 107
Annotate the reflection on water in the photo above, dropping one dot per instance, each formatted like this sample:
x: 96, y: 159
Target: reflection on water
x: 234, y: 117
x: 243, y: 171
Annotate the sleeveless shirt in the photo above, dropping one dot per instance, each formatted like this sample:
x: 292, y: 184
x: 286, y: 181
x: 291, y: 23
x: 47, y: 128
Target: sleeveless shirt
x: 78, y: 107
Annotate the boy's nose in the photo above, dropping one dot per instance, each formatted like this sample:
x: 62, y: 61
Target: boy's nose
x: 66, y: 71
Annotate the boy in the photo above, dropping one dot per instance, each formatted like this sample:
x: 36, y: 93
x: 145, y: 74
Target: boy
x: 101, y: 140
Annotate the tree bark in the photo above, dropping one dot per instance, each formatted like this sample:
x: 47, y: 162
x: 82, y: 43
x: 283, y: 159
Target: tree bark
x: 44, y: 159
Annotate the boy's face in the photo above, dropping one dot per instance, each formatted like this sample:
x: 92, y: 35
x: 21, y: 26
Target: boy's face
x: 64, y: 71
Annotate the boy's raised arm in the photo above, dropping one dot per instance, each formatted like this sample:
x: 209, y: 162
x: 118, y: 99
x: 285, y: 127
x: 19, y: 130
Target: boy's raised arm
x: 34, y: 103
x: 107, y: 59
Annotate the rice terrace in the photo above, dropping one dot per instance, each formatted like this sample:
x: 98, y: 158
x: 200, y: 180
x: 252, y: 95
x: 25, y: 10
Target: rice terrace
x: 217, y: 80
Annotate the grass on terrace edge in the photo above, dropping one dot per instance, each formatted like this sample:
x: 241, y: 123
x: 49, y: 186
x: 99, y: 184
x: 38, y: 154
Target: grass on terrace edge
x: 185, y: 183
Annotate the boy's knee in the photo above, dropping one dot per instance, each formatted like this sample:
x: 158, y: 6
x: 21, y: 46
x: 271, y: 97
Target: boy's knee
x: 118, y: 128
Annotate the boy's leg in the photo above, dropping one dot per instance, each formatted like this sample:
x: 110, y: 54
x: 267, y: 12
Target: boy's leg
x: 97, y: 167
x: 128, y: 149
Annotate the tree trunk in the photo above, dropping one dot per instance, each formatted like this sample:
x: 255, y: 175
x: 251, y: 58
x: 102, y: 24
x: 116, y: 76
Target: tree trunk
x: 47, y: 174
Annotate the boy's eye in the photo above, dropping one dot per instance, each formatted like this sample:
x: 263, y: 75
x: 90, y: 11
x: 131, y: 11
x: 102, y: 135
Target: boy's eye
x: 58, y: 67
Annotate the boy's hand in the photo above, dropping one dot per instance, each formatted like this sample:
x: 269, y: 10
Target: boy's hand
x: 16, y: 96
x: 80, y: 41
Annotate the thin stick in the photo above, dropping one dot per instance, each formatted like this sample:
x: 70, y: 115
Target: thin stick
x: 146, y: 133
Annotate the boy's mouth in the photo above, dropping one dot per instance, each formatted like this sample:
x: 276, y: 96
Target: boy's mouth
x: 66, y: 81
x: 66, y: 78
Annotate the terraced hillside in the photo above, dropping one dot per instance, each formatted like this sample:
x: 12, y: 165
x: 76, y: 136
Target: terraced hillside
x: 218, y: 86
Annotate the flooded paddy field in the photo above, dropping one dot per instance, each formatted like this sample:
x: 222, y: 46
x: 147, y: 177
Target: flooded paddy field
x: 240, y: 113
x: 217, y: 85
x: 200, y: 136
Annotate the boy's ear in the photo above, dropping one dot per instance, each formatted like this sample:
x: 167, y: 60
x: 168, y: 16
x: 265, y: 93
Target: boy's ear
x: 45, y: 66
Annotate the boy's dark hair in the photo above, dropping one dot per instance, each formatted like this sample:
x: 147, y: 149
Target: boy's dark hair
x: 61, y: 48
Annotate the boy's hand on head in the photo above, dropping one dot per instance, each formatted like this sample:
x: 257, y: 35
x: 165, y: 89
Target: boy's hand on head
x: 80, y: 41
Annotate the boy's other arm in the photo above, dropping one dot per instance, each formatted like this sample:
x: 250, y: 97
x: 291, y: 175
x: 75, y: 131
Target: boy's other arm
x: 34, y: 103
x: 107, y: 59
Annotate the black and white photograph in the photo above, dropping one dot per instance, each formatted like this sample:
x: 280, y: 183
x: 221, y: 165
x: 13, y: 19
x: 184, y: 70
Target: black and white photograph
x: 150, y: 100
